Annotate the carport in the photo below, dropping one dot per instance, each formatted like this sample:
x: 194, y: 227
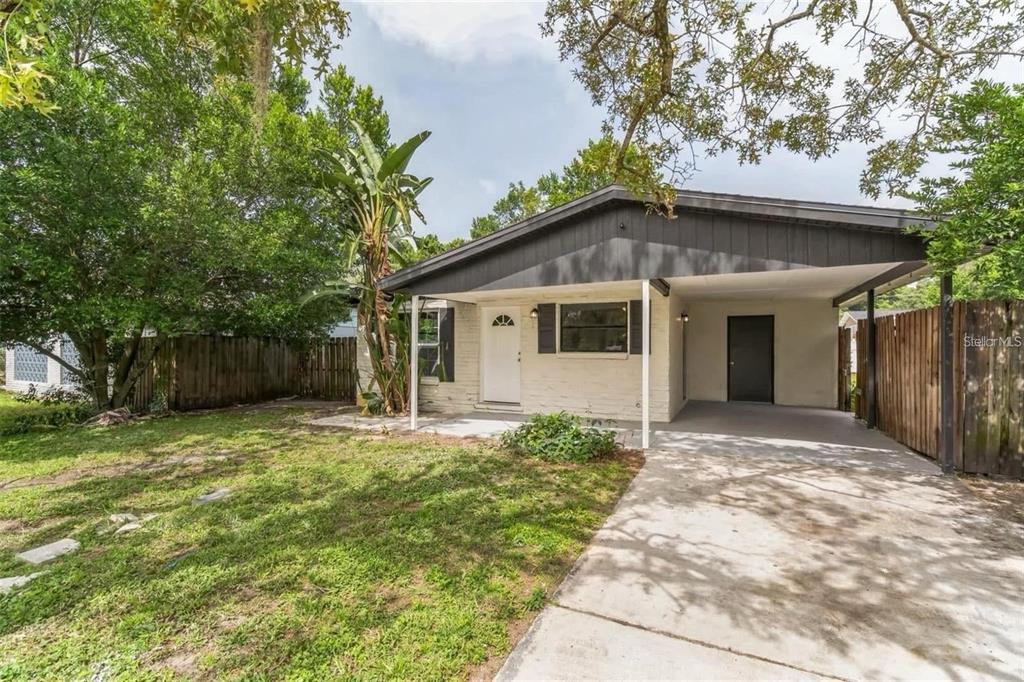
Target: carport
x: 802, y: 434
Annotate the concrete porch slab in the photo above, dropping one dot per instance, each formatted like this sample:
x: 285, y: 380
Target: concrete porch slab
x: 470, y: 425
x: 809, y: 435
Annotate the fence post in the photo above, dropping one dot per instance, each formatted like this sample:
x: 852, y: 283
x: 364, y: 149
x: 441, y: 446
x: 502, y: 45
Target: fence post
x: 869, y: 351
x: 946, y: 342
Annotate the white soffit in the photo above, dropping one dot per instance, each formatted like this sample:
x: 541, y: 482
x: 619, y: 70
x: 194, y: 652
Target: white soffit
x: 818, y: 283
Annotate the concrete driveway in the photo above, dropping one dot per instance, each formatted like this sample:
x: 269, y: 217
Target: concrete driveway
x: 735, y: 556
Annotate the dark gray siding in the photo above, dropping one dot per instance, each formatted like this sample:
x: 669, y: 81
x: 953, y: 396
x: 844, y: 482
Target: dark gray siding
x: 624, y: 242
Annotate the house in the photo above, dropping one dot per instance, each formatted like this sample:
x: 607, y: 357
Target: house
x: 607, y: 310
x: 849, y: 320
x: 26, y: 367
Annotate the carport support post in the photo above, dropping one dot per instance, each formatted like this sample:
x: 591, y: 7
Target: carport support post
x: 414, y: 361
x: 645, y: 365
x: 946, y: 344
x: 869, y: 352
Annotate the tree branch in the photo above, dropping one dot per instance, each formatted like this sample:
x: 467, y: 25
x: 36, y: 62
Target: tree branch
x: 53, y: 356
x: 905, y: 15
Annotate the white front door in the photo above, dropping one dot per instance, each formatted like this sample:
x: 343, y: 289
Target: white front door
x: 501, y: 355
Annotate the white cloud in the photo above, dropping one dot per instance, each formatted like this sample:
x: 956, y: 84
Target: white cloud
x: 467, y: 30
x: 488, y: 186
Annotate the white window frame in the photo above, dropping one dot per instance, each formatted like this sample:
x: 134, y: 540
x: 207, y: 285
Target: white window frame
x: 436, y: 314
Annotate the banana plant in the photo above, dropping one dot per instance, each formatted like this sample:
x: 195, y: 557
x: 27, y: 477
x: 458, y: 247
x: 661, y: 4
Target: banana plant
x: 383, y: 198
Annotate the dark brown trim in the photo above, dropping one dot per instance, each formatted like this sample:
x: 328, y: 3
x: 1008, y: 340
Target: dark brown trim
x: 661, y: 286
x: 869, y: 353
x: 946, y: 347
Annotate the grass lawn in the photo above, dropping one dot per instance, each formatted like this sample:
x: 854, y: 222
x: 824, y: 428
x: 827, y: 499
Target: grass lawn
x: 337, y: 554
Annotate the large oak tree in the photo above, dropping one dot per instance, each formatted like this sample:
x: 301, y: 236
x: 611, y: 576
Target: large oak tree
x: 751, y: 78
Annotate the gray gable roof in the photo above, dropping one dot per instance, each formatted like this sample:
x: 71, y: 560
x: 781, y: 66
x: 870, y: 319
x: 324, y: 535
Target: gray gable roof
x: 527, y: 253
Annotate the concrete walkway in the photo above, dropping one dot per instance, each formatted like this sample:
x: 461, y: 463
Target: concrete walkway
x: 785, y: 550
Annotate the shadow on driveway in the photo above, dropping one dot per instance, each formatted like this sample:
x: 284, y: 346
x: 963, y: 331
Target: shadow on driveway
x: 733, y: 556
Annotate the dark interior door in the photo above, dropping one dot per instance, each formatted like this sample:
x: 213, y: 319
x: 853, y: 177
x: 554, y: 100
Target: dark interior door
x: 751, y: 358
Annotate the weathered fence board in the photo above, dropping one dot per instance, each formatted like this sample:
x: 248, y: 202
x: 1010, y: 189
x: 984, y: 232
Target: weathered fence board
x: 994, y: 391
x: 196, y: 372
x: 843, y: 398
x: 988, y: 378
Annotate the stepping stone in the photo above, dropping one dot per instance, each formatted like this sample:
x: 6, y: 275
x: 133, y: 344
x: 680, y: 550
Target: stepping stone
x: 128, y: 527
x: 49, y: 552
x: 218, y: 494
x: 123, y: 518
x: 8, y: 584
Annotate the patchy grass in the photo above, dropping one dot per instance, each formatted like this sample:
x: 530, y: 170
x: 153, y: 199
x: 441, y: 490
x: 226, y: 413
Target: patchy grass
x: 337, y: 554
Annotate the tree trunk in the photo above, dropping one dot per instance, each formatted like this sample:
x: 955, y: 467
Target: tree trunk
x: 136, y: 363
x: 100, y: 368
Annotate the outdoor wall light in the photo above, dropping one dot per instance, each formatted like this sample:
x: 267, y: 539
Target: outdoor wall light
x: 533, y: 314
x: 683, y: 318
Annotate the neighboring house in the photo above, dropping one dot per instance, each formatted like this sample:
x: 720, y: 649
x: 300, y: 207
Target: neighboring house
x: 344, y: 329
x: 743, y: 295
x: 849, y: 320
x: 28, y: 367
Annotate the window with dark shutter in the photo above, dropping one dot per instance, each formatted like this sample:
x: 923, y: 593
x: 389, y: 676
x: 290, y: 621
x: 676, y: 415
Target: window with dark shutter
x: 636, y: 325
x: 446, y: 335
x: 593, y: 327
x: 546, y: 328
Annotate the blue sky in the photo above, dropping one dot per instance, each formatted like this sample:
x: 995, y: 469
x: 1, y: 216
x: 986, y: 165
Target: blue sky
x: 503, y: 108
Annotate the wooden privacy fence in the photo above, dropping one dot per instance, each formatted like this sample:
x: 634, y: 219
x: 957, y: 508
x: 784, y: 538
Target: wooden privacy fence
x: 328, y: 370
x: 196, y: 372
x: 988, y: 381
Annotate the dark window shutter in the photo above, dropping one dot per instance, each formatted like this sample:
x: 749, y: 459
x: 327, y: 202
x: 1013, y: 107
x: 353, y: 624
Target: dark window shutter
x: 446, y: 340
x: 546, y: 328
x: 636, y: 327
x: 636, y: 319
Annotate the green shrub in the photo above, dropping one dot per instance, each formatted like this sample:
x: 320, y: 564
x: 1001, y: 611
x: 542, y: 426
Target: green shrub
x: 559, y: 437
x: 19, y: 414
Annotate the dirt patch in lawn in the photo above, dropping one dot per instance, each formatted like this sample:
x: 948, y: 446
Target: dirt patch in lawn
x: 633, y: 459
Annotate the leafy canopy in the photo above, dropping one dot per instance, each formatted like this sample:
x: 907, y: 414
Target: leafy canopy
x: 149, y: 200
x: 980, y: 203
x: 246, y: 38
x: 750, y: 78
x: 590, y: 170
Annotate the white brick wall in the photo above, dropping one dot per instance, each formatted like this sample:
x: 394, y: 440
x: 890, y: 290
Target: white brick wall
x: 608, y: 386
x: 806, y: 363
x: 462, y: 394
x: 604, y: 386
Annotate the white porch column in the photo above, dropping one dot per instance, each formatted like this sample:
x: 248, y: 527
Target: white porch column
x: 414, y: 362
x: 645, y: 363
